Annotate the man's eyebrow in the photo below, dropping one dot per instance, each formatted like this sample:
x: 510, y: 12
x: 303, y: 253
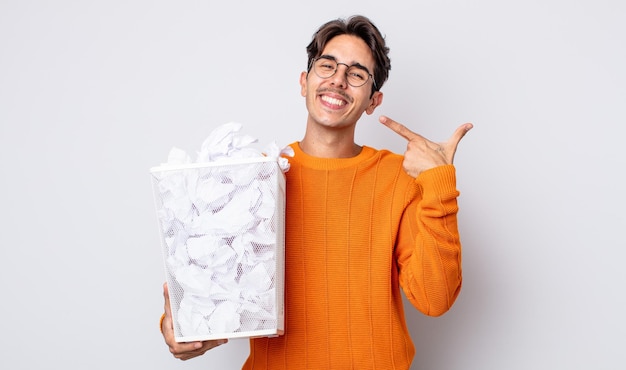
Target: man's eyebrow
x: 354, y: 64
x: 327, y: 56
x: 359, y: 65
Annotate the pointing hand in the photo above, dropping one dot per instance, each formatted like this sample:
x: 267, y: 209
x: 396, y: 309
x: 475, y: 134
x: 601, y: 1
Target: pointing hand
x: 422, y: 154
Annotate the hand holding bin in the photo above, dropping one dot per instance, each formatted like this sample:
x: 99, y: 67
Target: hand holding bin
x: 222, y: 231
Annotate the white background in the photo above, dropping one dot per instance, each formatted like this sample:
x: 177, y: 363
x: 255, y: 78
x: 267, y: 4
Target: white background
x: 94, y: 93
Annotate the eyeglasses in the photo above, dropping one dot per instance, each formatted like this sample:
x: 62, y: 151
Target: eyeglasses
x: 356, y: 75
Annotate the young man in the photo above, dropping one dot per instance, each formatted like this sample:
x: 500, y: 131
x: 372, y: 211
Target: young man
x: 360, y: 222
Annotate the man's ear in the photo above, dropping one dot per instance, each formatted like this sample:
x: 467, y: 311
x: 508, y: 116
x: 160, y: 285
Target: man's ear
x: 303, y: 76
x: 375, y: 101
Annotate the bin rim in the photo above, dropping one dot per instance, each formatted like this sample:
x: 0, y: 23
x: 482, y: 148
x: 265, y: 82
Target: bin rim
x: 222, y: 162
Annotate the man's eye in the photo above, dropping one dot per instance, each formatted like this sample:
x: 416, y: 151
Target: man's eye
x: 359, y: 75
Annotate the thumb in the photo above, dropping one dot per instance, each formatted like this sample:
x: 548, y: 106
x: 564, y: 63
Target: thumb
x: 454, y: 140
x: 459, y: 133
x: 166, y: 295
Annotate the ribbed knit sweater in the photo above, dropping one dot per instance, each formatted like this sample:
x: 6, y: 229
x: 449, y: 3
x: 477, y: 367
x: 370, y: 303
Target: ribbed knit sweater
x: 358, y: 229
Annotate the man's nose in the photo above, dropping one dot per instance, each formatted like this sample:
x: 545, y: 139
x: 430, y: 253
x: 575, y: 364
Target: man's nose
x: 340, y: 78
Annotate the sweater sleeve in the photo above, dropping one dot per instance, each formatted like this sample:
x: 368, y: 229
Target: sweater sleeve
x: 428, y: 248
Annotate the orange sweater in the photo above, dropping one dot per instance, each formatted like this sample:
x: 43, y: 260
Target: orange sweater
x: 356, y: 230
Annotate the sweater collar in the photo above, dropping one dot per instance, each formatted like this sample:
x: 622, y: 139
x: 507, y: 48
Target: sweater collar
x: 329, y: 163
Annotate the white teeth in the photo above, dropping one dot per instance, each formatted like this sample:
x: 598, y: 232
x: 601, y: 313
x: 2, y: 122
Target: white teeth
x: 332, y: 101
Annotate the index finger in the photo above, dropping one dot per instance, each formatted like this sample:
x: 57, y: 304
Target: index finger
x: 399, y: 128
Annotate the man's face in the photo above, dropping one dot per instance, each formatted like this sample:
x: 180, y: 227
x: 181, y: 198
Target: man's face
x: 332, y: 102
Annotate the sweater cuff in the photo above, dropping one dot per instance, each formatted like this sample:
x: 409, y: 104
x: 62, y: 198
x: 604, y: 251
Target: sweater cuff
x: 440, y: 180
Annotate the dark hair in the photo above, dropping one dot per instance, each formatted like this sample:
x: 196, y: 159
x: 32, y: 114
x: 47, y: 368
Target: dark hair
x: 361, y: 27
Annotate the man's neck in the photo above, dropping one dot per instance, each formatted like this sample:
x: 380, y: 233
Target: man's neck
x: 329, y: 148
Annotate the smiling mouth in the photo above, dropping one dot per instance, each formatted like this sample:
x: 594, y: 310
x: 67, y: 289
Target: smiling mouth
x: 333, y: 101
